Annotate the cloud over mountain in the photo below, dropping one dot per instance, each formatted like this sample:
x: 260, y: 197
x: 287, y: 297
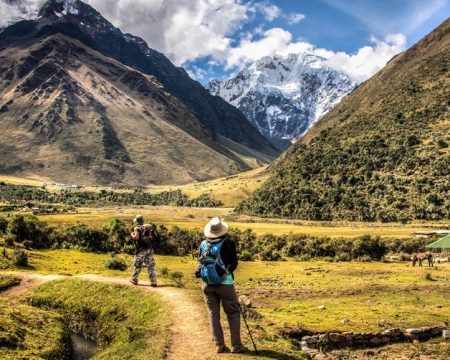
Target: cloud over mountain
x: 219, y: 30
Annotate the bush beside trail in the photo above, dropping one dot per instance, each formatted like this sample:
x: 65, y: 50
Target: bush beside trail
x: 29, y: 232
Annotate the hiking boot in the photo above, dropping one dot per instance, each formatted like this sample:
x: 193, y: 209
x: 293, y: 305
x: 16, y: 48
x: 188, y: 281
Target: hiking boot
x: 134, y: 281
x: 222, y: 349
x: 239, y: 349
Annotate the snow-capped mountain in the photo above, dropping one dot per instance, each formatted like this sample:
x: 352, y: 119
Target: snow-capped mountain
x: 283, y: 96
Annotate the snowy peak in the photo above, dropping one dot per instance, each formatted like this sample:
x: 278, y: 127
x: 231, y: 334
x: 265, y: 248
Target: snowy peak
x: 283, y: 96
x: 62, y: 7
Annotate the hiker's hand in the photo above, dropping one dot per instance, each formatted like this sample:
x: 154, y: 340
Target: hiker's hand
x: 198, y: 274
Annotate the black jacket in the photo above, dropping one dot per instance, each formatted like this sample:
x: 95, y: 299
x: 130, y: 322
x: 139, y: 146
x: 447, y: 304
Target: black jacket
x: 228, y: 254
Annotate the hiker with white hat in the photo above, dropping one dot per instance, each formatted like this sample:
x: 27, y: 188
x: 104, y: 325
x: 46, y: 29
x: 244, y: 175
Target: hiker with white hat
x: 217, y: 262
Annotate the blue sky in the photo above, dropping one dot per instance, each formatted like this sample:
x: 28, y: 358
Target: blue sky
x: 340, y: 25
x: 215, y: 38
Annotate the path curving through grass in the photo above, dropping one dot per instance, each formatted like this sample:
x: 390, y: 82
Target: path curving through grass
x: 190, y: 338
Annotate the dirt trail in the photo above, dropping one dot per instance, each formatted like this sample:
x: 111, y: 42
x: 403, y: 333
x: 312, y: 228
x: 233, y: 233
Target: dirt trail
x: 191, y: 335
x: 27, y: 282
x: 190, y: 339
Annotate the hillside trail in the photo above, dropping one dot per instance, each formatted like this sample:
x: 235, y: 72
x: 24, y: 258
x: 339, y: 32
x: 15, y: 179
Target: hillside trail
x: 191, y: 338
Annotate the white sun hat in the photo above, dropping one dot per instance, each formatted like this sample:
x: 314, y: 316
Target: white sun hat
x: 215, y: 228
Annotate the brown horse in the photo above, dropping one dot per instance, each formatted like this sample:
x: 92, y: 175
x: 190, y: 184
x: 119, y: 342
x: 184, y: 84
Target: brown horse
x: 419, y: 257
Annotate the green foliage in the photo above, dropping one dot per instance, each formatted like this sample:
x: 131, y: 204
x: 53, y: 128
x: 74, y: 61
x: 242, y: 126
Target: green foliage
x: 177, y: 277
x: 115, y: 238
x: 20, y: 257
x: 375, y: 156
x: 116, y: 263
x: 33, y: 195
x: 3, y: 225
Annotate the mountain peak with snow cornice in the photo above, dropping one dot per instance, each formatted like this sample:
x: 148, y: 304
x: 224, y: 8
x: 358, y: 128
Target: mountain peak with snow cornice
x: 283, y: 96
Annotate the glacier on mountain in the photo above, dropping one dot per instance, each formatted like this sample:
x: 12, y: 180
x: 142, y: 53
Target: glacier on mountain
x: 283, y: 96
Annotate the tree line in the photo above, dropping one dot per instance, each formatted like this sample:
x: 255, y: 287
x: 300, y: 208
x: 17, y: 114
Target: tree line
x: 30, y: 194
x: 30, y: 232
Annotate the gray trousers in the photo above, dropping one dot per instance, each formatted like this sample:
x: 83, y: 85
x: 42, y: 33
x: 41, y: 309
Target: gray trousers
x: 226, y: 294
x: 141, y: 258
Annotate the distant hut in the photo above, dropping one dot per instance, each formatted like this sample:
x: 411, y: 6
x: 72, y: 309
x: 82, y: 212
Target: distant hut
x: 441, y: 244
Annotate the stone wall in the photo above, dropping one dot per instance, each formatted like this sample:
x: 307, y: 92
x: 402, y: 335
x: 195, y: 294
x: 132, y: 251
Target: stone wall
x: 311, y: 344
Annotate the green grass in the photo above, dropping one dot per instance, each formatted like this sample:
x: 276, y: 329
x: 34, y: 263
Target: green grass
x: 372, y: 295
x: 7, y: 281
x: 124, y: 322
x: 30, y: 333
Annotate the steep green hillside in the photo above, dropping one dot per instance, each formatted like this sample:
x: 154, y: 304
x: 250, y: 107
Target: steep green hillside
x: 381, y: 154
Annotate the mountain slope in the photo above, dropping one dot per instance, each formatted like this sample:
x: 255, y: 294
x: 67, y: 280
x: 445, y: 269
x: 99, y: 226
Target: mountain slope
x: 381, y: 154
x: 283, y: 96
x: 80, y: 21
x: 75, y: 116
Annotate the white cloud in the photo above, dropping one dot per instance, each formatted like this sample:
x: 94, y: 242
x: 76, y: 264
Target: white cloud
x: 196, y: 73
x: 23, y: 9
x: 189, y: 30
x: 270, y: 11
x: 369, y: 59
x: 359, y: 66
x: 183, y: 30
x: 295, y: 18
x: 7, y: 13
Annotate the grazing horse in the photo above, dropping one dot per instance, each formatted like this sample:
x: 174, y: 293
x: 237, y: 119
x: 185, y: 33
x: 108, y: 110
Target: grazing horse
x: 421, y: 257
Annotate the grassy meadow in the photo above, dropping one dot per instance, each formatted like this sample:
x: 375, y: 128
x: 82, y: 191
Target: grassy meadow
x: 372, y: 296
x: 191, y: 218
x: 318, y: 296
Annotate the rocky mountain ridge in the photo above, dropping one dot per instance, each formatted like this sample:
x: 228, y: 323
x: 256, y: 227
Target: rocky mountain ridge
x: 283, y: 96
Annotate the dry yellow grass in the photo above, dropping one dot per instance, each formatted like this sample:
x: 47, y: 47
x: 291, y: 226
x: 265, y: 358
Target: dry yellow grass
x: 230, y: 190
x: 32, y: 180
x: 197, y: 217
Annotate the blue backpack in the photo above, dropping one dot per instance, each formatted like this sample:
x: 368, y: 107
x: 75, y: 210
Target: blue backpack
x: 213, y: 270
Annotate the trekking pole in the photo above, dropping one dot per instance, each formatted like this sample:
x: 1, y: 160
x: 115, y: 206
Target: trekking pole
x: 248, y: 329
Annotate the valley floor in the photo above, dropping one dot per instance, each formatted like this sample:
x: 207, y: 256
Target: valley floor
x: 372, y: 296
x: 191, y: 218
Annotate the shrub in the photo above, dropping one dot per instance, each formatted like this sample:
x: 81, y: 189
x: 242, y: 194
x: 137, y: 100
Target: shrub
x: 20, y: 257
x: 177, y: 278
x: 303, y: 257
x: 3, y: 225
x: 118, y: 234
x: 365, y: 258
x: 116, y: 263
x: 371, y: 247
x: 343, y: 257
x: 164, y: 272
x: 9, y: 240
x: 270, y: 255
x: 246, y: 255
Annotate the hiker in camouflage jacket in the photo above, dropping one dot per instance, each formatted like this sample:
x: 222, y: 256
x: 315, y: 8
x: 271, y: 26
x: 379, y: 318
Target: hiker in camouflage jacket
x: 143, y: 236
